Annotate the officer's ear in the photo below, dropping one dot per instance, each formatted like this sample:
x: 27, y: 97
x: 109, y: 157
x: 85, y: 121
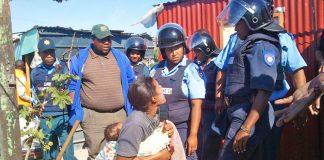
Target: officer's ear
x: 153, y: 99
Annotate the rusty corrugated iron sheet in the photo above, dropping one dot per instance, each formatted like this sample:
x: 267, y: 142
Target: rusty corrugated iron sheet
x: 297, y: 144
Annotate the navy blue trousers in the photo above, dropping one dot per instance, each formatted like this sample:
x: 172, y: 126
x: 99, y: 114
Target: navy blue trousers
x: 209, y: 141
x: 272, y: 141
x: 235, y: 117
x: 183, y: 129
x: 57, y: 134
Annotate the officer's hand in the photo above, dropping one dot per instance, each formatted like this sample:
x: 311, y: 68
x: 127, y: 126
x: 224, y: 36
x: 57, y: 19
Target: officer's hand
x: 167, y: 128
x: 298, y: 94
x: 315, y: 107
x: 301, y: 119
x: 240, y: 141
x: 284, y: 101
x: 289, y: 113
x: 192, y: 144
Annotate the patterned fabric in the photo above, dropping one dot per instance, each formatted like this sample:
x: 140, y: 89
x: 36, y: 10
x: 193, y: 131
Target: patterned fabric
x: 156, y: 142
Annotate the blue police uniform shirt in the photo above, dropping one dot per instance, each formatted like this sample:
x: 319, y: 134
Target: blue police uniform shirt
x: 146, y: 71
x: 204, y: 77
x: 263, y: 59
x: 291, y: 59
x: 49, y: 70
x: 193, y: 85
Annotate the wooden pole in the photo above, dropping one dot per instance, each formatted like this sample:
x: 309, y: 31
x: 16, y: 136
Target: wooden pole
x: 10, y: 147
x: 69, y: 138
x: 70, y: 52
x: 27, y: 66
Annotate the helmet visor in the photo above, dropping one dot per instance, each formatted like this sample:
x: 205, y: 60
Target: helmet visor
x: 233, y: 12
x: 196, y: 40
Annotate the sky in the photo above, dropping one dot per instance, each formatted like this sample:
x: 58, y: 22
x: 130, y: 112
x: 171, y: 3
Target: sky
x: 82, y: 14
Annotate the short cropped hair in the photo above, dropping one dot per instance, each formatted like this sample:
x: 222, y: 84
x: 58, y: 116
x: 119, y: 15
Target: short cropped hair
x: 19, y: 64
x: 141, y: 92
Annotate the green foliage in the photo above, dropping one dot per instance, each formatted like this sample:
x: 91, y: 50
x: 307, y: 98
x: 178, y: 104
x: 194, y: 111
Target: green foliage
x: 48, y: 123
x: 47, y: 146
x: 24, y: 112
x: 59, y: 95
x: 36, y: 135
x: 61, y: 79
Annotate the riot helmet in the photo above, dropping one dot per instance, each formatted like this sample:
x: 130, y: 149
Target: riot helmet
x: 255, y: 13
x: 170, y: 35
x: 270, y: 6
x: 273, y: 26
x: 137, y: 44
x: 202, y: 40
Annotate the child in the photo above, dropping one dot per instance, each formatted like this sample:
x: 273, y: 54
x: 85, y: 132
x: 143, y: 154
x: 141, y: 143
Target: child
x: 156, y: 142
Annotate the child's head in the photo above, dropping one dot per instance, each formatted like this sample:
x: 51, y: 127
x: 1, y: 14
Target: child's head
x: 112, y: 131
x: 144, y: 92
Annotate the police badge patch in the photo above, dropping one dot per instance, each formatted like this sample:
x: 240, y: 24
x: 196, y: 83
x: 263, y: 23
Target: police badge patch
x: 47, y: 42
x: 269, y: 57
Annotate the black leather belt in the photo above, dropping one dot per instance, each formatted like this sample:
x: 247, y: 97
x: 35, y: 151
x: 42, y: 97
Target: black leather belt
x: 105, y: 111
x: 114, y: 110
x: 234, y: 100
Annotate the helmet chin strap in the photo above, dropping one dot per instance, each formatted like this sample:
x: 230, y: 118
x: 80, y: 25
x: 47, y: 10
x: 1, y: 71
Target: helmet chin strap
x: 203, y: 62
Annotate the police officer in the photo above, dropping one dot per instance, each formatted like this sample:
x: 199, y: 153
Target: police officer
x: 182, y: 85
x: 135, y: 50
x: 205, y: 49
x: 41, y: 78
x: 291, y: 62
x: 250, y: 77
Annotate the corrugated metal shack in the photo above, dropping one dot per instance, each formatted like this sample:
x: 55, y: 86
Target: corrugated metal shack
x: 308, y: 142
x: 63, y: 40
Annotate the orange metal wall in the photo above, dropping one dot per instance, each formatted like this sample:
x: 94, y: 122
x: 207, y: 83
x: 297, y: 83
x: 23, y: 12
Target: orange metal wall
x: 296, y: 144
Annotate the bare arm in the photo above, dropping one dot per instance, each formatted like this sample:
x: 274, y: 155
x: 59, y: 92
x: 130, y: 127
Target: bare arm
x: 258, y: 106
x: 162, y: 155
x: 299, y: 78
x: 301, y: 98
x: 305, y: 91
x: 220, y: 82
x: 21, y: 88
x: 71, y: 94
x: 192, y: 141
